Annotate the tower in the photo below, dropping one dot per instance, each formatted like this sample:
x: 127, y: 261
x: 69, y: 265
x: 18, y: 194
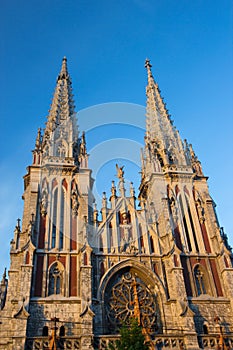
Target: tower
x: 50, y: 273
x: 76, y: 273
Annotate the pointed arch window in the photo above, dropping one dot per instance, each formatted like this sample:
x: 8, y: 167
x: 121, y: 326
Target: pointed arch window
x: 85, y: 259
x: 62, y: 218
x: 191, y: 223
x: 61, y: 149
x: 160, y: 159
x: 55, y: 279
x: 200, y: 280
x: 27, y: 258
x: 152, y: 244
x: 101, y: 245
x: 110, y: 235
x: 54, y: 218
x: 185, y: 223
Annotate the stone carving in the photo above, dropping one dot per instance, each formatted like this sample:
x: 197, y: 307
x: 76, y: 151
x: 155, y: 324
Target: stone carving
x: 74, y: 203
x: 44, y: 202
x: 174, y: 209
x: 201, y: 211
x: 120, y: 172
x: 130, y: 297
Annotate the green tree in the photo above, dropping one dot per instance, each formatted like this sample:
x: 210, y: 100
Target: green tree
x: 131, y: 338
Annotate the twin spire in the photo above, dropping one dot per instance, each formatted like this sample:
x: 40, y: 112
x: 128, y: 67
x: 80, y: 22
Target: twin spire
x: 164, y: 145
x: 60, y: 142
x: 61, y: 133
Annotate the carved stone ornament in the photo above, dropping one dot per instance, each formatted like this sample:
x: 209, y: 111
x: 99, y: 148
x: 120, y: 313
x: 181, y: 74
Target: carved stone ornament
x: 44, y: 203
x: 201, y: 211
x: 74, y: 203
x: 129, y: 297
x: 120, y: 172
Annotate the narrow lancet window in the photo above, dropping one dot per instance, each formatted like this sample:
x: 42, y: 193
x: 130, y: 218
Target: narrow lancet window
x: 192, y: 224
x: 54, y: 221
x: 200, y: 280
x: 55, y: 279
x: 62, y: 216
x: 185, y: 224
x: 152, y: 244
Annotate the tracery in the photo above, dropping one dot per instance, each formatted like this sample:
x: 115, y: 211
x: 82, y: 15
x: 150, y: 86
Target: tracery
x: 129, y: 297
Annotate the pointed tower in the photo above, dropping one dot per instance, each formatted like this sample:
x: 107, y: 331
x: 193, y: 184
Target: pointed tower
x: 50, y: 272
x: 195, y: 260
x: 162, y: 140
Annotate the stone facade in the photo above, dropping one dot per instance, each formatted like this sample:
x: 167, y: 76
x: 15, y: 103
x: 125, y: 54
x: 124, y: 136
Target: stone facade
x: 74, y: 278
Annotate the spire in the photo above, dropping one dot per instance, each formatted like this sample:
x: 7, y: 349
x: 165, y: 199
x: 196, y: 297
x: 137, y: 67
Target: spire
x: 61, y: 133
x: 62, y: 107
x: 157, y: 114
x: 162, y: 137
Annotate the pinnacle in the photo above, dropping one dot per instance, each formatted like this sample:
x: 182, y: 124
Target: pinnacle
x: 147, y: 63
x: 64, y: 72
x: 148, y: 66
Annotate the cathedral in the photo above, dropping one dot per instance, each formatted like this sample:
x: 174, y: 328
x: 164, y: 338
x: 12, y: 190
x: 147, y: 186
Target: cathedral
x: 157, y: 255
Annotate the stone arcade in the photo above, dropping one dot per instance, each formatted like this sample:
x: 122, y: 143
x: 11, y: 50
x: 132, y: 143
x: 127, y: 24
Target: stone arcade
x: 74, y: 277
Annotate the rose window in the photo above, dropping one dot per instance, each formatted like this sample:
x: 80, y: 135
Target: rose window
x: 129, y: 297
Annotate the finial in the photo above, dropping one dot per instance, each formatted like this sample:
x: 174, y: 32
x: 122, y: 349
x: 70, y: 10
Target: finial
x: 83, y: 150
x: 18, y: 224
x: 132, y: 191
x: 83, y: 137
x: 64, y: 64
x: 64, y: 72
x: 38, y: 139
x: 193, y: 155
x: 147, y: 63
x: 95, y: 213
x: 104, y: 200
x: 113, y: 189
x: 149, y: 72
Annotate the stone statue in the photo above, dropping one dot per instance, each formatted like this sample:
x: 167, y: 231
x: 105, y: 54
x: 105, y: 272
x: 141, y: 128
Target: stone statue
x: 120, y: 172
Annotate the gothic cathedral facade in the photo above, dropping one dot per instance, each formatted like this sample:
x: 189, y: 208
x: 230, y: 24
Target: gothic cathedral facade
x: 75, y: 275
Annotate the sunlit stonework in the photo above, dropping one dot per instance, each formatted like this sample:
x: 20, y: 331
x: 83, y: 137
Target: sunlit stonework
x: 77, y: 272
x: 130, y: 297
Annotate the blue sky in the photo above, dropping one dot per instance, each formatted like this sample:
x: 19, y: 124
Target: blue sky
x: 106, y: 43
